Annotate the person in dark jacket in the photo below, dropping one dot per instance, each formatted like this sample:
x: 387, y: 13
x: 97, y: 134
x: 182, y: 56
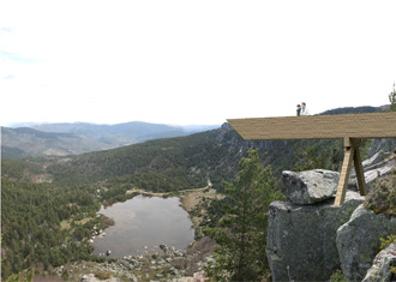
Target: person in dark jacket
x: 298, y: 110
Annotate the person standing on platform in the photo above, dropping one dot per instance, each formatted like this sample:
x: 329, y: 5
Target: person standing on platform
x: 298, y: 110
x: 304, y: 111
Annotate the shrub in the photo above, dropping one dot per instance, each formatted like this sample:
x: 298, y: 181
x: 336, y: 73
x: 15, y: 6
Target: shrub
x: 385, y: 242
x: 338, y: 276
x: 382, y: 199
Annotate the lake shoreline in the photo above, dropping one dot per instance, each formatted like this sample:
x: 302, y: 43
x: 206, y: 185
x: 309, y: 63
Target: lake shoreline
x: 194, y: 201
x: 166, y: 263
x: 191, y: 200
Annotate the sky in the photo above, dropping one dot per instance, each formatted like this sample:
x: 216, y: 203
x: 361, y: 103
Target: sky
x: 191, y: 62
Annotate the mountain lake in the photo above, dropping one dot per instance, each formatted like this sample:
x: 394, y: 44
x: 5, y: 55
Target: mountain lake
x: 142, y: 224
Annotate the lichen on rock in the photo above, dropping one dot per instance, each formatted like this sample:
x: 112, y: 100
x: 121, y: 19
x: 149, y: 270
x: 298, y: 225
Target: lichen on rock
x: 358, y: 241
x: 309, y: 187
x: 384, y: 266
x: 382, y: 199
x: 301, y: 239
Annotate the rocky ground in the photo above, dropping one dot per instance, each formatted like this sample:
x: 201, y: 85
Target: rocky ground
x: 166, y: 265
x: 196, y: 203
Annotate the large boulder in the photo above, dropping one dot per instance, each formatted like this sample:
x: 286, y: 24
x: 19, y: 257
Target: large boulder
x: 383, y: 269
x: 309, y: 187
x: 358, y: 241
x: 301, y: 239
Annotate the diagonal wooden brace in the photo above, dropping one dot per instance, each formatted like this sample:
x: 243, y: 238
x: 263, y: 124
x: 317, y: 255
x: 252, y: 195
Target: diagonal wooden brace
x: 351, y: 152
x: 357, y: 161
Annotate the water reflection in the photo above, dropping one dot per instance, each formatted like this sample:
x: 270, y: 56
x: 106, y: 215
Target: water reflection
x: 144, y: 221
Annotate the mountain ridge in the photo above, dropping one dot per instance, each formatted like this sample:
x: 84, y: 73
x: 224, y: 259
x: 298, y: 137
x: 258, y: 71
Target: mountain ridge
x: 75, y: 138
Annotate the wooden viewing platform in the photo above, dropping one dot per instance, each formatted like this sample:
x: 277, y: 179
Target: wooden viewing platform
x: 350, y: 127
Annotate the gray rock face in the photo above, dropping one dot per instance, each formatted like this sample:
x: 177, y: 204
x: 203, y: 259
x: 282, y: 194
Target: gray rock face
x: 381, y: 269
x: 375, y: 159
x: 358, y: 241
x: 311, y: 186
x: 381, y: 164
x: 301, y: 240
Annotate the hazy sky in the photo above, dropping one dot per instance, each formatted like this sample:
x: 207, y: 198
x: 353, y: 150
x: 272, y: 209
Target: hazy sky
x: 191, y: 62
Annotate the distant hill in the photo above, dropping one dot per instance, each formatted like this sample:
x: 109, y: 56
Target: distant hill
x: 353, y: 110
x: 59, y: 139
x: 177, y: 163
x: 119, y: 134
x: 23, y: 142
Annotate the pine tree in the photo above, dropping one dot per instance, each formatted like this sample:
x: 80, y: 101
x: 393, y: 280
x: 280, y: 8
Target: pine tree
x: 392, y: 99
x: 241, y: 233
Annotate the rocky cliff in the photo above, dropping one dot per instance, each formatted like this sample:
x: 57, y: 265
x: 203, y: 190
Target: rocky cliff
x: 301, y: 238
x: 358, y: 241
x: 309, y: 238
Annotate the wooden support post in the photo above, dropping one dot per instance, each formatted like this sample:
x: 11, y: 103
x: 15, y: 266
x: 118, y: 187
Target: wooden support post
x: 346, y: 168
x: 357, y: 161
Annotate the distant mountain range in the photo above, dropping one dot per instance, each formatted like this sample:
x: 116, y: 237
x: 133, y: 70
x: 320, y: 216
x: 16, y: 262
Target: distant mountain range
x: 59, y: 139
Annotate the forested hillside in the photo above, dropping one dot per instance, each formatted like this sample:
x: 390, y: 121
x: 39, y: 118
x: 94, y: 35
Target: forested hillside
x: 178, y: 163
x: 32, y: 230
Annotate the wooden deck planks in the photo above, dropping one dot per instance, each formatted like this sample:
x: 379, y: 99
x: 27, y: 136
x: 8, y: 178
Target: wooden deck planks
x: 372, y: 125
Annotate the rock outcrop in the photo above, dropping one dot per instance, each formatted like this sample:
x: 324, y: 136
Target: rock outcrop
x: 311, y: 186
x: 358, y: 241
x: 384, y: 266
x: 301, y: 239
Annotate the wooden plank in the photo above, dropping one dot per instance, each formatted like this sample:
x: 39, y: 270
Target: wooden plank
x: 372, y: 125
x: 357, y: 162
x: 344, y: 175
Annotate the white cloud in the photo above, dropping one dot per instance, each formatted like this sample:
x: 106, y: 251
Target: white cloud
x: 192, y: 62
